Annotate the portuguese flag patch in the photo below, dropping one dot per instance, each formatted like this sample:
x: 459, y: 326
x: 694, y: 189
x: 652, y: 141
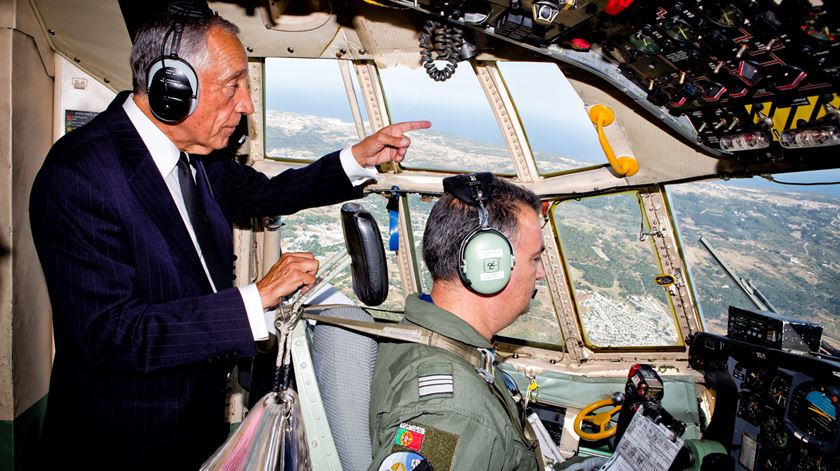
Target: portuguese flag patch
x: 410, y: 436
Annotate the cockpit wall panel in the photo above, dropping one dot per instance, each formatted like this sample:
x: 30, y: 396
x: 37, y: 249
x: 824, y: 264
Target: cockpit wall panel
x: 91, y: 34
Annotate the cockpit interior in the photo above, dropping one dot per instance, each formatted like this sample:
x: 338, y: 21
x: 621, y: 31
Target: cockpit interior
x: 668, y: 290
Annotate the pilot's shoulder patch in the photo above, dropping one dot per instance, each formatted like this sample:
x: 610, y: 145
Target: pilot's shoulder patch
x: 410, y: 436
x: 435, y: 379
x: 405, y: 461
x: 437, y: 446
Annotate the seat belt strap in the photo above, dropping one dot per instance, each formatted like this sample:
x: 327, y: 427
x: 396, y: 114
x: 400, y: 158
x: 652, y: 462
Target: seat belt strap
x: 404, y: 333
x: 476, y: 357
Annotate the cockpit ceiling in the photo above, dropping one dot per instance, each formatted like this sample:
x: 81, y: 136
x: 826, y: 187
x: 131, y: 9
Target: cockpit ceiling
x: 690, y: 81
x: 749, y: 81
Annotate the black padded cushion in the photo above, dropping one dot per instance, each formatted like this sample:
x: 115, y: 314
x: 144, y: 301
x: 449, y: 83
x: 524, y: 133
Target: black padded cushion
x: 367, y: 254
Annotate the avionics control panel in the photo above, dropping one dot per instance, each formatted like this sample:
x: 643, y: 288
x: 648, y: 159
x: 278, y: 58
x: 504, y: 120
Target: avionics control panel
x: 774, y: 410
x: 758, y: 80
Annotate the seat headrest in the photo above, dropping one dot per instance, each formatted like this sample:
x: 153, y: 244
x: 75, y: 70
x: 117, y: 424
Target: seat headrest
x: 367, y: 254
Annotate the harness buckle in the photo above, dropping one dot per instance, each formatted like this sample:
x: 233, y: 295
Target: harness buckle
x: 487, y: 369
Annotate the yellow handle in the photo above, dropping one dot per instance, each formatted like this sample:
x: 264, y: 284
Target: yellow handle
x: 602, y: 115
x: 601, y: 420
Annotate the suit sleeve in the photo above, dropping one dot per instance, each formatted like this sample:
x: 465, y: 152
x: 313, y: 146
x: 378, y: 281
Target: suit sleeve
x: 244, y: 192
x: 98, y: 295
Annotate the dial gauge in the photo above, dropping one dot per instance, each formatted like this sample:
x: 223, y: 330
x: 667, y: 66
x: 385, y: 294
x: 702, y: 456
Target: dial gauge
x: 773, y: 432
x: 644, y: 43
x: 755, y: 379
x: 814, y: 409
x: 779, y: 389
x: 727, y: 15
x: 679, y: 30
x: 749, y: 408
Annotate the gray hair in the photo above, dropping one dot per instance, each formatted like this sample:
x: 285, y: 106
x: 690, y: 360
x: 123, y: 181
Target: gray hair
x: 451, y: 220
x: 149, y: 44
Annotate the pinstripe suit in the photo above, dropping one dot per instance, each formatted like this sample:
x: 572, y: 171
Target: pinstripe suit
x: 142, y: 342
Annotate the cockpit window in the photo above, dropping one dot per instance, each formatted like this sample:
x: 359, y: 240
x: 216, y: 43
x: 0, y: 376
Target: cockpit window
x: 307, y: 114
x: 784, y: 244
x: 318, y: 230
x: 559, y: 131
x: 539, y: 326
x: 464, y: 133
x: 612, y: 263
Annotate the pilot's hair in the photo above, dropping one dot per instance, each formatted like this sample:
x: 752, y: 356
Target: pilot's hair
x: 193, y: 47
x: 452, y: 220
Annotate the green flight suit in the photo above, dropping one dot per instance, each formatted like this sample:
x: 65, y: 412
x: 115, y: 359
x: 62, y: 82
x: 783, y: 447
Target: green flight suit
x: 462, y: 425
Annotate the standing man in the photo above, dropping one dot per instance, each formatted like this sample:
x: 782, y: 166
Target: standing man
x: 133, y: 230
x: 447, y: 404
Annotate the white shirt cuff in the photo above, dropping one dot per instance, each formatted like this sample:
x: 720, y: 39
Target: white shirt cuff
x: 355, y: 172
x: 257, y: 318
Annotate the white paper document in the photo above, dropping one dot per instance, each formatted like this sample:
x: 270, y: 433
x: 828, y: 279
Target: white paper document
x: 644, y: 445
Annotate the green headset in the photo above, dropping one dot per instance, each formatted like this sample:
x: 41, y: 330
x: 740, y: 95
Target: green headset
x: 485, y: 257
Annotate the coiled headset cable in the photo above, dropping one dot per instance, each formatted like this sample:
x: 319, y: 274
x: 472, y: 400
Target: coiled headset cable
x: 440, y: 42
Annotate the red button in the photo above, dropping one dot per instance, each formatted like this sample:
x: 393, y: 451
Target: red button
x: 615, y: 7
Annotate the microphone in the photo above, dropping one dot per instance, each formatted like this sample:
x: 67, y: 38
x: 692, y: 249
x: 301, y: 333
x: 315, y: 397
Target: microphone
x: 534, y: 295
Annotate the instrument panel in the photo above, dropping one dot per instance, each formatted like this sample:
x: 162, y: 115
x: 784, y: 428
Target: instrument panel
x: 752, y: 77
x: 775, y: 410
x: 756, y: 80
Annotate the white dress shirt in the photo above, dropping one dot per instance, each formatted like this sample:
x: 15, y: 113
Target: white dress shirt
x: 165, y: 155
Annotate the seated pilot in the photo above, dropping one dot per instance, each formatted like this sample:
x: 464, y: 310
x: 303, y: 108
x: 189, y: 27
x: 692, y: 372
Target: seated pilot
x: 446, y: 406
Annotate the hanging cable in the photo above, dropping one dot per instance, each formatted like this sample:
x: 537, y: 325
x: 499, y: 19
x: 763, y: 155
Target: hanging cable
x: 772, y: 179
x: 440, y: 42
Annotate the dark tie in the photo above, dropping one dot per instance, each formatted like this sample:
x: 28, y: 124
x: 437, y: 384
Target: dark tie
x: 222, y: 276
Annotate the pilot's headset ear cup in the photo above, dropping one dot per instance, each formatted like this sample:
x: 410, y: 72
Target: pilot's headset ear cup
x: 486, y: 261
x: 172, y: 87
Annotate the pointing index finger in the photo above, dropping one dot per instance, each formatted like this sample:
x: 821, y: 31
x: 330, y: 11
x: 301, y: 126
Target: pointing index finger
x: 406, y: 126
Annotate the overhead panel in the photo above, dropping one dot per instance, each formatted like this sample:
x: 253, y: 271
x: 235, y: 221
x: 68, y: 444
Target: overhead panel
x: 753, y: 82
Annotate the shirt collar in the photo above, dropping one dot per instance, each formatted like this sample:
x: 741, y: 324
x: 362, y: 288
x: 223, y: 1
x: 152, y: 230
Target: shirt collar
x: 439, y: 320
x: 164, y: 153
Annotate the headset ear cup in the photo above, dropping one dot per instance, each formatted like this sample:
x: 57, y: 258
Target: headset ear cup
x: 486, y: 261
x: 172, y: 87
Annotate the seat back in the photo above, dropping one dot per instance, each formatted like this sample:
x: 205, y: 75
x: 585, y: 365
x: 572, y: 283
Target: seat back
x: 344, y: 363
x: 344, y: 360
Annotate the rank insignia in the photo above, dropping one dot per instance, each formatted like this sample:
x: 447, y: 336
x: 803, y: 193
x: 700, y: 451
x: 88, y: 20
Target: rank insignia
x: 432, y: 385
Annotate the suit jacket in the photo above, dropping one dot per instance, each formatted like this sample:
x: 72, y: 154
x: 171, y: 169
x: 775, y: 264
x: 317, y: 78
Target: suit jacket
x: 143, y: 345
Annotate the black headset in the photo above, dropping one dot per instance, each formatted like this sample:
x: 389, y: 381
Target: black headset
x: 485, y: 257
x: 171, y: 82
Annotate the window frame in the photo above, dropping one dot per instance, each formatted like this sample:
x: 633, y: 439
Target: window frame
x: 680, y: 345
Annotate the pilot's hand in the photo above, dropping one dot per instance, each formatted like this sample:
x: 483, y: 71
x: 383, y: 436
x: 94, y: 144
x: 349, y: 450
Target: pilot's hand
x: 293, y: 271
x: 389, y: 144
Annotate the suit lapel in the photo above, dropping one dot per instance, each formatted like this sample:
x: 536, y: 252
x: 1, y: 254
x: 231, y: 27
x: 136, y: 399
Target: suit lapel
x: 148, y: 185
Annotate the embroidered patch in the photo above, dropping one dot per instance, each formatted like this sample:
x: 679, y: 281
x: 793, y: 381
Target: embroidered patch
x: 435, y: 384
x: 410, y: 436
x: 438, y: 446
x: 404, y: 461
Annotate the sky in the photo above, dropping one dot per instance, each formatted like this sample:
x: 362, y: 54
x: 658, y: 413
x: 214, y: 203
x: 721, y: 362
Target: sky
x: 553, y: 115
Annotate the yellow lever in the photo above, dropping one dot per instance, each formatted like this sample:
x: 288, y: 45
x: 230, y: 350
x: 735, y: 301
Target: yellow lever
x: 601, y: 116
